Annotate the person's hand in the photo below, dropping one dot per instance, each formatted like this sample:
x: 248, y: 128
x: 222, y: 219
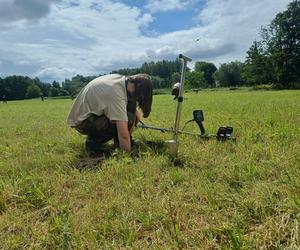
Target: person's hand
x: 123, y: 135
x: 138, y: 117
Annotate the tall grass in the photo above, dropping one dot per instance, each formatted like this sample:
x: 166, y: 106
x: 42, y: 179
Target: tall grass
x: 241, y: 195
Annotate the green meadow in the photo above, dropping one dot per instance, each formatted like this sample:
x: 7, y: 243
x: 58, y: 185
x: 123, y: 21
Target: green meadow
x: 217, y: 195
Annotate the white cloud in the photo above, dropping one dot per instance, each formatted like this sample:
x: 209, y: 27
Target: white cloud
x: 86, y: 39
x: 60, y: 73
x: 237, y: 22
x: 145, y: 20
x: 167, y: 5
x: 91, y: 37
x: 20, y: 9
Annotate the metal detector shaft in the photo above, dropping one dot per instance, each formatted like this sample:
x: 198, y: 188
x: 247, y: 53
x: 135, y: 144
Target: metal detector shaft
x: 166, y: 130
x: 184, y: 60
x: 169, y: 130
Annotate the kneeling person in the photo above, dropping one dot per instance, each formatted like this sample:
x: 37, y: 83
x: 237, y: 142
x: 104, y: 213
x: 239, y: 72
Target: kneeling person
x: 105, y: 109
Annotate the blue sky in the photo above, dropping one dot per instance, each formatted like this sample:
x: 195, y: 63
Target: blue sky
x: 170, y: 17
x: 57, y: 39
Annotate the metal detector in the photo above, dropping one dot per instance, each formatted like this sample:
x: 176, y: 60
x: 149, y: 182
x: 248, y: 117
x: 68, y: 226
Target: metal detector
x: 223, y: 133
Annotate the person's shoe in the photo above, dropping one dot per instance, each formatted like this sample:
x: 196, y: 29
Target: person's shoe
x: 116, y: 142
x: 92, y: 147
x: 133, y: 142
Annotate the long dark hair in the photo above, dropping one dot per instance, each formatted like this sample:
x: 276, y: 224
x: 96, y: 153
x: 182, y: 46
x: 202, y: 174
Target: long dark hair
x: 143, y: 92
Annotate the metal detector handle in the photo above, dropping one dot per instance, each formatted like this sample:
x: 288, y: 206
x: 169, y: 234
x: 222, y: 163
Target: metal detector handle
x: 184, y: 60
x: 201, y: 127
x: 199, y: 118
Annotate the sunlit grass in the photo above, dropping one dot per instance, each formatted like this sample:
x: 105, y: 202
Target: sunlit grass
x: 222, y: 195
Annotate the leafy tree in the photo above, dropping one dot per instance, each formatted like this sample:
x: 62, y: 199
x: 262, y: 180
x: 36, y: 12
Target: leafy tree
x: 230, y: 74
x: 162, y: 69
x: 208, y: 70
x: 55, y: 84
x: 63, y: 92
x: 1, y: 87
x: 45, y: 87
x: 194, y: 79
x: 257, y: 68
x: 176, y: 77
x: 33, y: 91
x: 74, y: 85
x: 282, y: 41
x: 70, y: 86
x: 157, y: 82
x: 127, y: 71
x: 53, y: 91
x: 14, y: 87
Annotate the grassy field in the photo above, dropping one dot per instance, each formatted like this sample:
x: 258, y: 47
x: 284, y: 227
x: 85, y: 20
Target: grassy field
x: 233, y: 195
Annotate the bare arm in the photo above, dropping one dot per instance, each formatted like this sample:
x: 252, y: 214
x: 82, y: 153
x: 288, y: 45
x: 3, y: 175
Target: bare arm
x: 123, y: 135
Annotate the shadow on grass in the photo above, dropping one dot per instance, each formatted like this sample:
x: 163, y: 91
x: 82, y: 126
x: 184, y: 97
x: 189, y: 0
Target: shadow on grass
x: 87, y: 162
x: 158, y: 147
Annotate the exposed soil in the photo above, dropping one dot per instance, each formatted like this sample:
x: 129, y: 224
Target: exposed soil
x: 86, y: 161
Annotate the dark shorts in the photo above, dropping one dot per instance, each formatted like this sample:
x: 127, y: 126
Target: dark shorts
x: 95, y: 125
x: 100, y: 128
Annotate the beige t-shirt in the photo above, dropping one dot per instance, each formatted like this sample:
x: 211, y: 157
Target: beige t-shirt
x: 104, y: 95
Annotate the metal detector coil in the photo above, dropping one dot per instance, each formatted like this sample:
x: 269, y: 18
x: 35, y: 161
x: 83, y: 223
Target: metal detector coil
x: 223, y: 133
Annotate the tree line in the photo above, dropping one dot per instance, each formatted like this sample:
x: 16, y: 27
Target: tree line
x: 273, y: 60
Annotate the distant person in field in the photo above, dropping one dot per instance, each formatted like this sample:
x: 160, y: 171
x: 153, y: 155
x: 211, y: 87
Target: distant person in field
x: 4, y: 100
x: 105, y: 109
x: 42, y: 98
